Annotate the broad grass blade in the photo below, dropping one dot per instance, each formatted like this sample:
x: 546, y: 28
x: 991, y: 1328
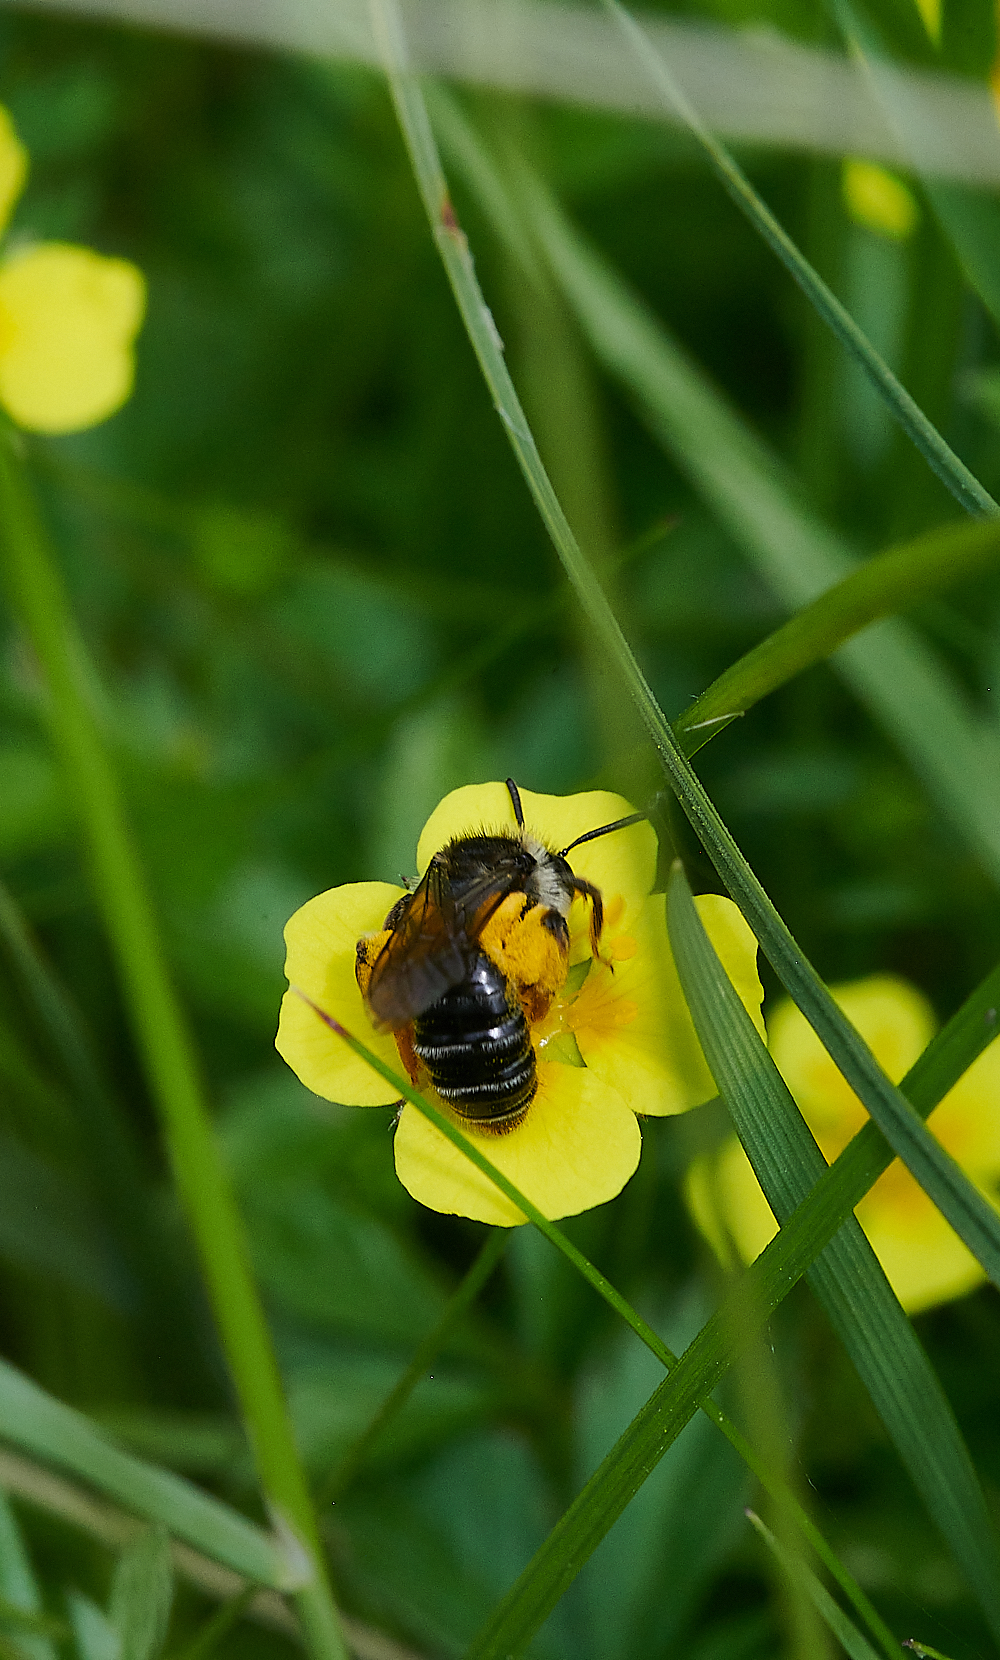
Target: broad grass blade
x: 847, y: 1278
x: 889, y: 582
x: 142, y: 1592
x: 57, y: 1434
x: 18, y: 1584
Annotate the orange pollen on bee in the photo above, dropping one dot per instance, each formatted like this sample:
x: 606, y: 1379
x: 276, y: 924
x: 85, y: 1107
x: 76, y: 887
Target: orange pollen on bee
x: 527, y: 952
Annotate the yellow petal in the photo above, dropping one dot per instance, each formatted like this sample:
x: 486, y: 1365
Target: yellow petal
x: 895, y: 1020
x: 321, y: 940
x: 741, y: 1202
x: 924, y: 1259
x: 577, y: 1147
x: 967, y: 1121
x: 13, y: 166
x: 634, y: 1028
x: 622, y: 863
x: 68, y: 318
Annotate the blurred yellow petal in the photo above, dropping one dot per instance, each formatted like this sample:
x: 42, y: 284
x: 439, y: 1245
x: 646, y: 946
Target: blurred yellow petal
x: 633, y: 1027
x: 741, y: 1201
x: 968, y: 1120
x: 322, y: 939
x: 68, y: 318
x: 926, y: 1263
x: 13, y: 167
x: 620, y: 864
x: 924, y: 1259
x: 895, y: 1020
x: 577, y: 1147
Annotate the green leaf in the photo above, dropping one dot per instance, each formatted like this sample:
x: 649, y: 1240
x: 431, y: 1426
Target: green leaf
x: 96, y: 1638
x: 44, y: 1427
x: 21, y: 1602
x: 891, y: 581
x: 802, y: 1576
x: 142, y: 1591
x: 847, y: 1278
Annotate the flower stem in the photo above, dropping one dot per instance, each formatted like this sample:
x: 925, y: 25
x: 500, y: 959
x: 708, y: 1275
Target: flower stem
x: 161, y: 1034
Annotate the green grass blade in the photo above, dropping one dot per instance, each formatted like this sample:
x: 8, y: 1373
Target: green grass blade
x: 952, y: 472
x: 20, y: 1598
x: 956, y: 756
x: 802, y: 1576
x: 142, y: 1592
x: 544, y: 1581
x: 963, y: 1205
x: 163, y: 1039
x: 847, y: 1278
x: 891, y: 581
x: 892, y: 671
x: 59, y: 1435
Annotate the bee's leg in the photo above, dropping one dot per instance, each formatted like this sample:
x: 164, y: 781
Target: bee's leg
x: 587, y: 890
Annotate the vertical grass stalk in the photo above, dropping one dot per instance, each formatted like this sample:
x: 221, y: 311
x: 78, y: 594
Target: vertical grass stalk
x: 162, y: 1037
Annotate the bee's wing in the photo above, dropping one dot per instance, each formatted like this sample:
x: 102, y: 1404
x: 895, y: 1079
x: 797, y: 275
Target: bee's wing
x: 432, y: 948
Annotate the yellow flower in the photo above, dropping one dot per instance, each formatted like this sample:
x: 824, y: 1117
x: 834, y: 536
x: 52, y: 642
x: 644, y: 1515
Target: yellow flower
x: 616, y: 1041
x: 68, y: 318
x: 925, y: 1261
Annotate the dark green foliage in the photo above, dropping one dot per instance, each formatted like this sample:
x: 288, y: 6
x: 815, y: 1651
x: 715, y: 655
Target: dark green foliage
x: 318, y: 596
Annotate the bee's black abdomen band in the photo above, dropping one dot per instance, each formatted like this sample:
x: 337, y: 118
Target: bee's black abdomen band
x: 476, y: 1046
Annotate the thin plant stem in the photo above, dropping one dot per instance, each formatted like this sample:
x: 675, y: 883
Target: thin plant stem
x: 952, y: 472
x: 463, y: 1297
x: 162, y: 1037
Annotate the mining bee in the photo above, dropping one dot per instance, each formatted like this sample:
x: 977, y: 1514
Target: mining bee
x: 469, y: 960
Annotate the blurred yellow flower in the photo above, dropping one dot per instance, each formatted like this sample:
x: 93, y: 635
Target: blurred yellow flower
x: 925, y: 1261
x: 68, y: 318
x: 616, y: 1041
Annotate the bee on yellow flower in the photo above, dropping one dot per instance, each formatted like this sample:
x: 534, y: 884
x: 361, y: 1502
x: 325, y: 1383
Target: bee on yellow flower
x: 68, y: 319
x: 609, y: 1033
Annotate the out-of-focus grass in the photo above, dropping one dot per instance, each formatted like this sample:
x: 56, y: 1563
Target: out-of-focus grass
x: 318, y: 597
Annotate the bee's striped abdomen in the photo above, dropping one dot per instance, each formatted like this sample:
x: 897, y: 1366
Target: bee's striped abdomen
x: 476, y: 1046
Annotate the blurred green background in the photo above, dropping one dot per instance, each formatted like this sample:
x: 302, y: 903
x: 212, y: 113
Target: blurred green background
x: 318, y: 596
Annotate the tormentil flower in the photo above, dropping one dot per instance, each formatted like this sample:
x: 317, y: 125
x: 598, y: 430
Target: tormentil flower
x: 68, y: 318
x: 925, y: 1261
x: 617, y: 1040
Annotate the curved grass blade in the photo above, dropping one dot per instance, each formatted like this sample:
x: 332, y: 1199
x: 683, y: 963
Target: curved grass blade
x: 952, y: 472
x: 893, y: 672
x: 847, y: 1278
x: 950, y: 1189
x: 802, y: 1576
x: 965, y: 1208
x: 43, y: 1426
x: 890, y: 581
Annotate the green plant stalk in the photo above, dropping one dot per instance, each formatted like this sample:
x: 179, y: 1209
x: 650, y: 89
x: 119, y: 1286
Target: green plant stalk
x: 889, y: 582
x: 952, y: 472
x: 462, y: 1298
x: 163, y: 1041
x: 972, y: 1218
x: 760, y: 1290
x: 800, y: 1575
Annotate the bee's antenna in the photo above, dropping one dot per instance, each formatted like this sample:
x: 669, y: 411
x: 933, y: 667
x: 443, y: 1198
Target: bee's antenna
x: 605, y: 830
x: 515, y: 798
